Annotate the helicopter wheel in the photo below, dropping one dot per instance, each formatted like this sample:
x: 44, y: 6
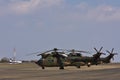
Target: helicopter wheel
x: 61, y: 68
x: 96, y: 64
x: 43, y: 67
x: 88, y: 64
x: 78, y: 66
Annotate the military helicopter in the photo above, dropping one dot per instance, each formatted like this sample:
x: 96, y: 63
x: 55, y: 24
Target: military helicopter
x: 109, y: 57
x: 96, y: 57
x: 55, y: 57
x: 94, y: 60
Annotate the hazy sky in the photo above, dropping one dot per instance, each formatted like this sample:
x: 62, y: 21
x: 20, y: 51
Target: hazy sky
x: 39, y: 25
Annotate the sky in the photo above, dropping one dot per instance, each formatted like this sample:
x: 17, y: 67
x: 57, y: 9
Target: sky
x: 38, y: 25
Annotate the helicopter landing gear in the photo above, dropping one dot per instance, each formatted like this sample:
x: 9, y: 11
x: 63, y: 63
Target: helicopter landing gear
x: 78, y: 66
x: 43, y: 67
x: 61, y: 68
x: 88, y: 64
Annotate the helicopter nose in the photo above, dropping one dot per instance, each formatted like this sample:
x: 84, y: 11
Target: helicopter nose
x: 39, y: 62
x: 36, y: 62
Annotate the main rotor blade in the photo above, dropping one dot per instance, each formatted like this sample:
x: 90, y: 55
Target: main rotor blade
x: 47, y: 51
x: 79, y: 51
x: 32, y: 53
x: 64, y: 50
x: 108, y: 51
x: 96, y: 50
x: 112, y: 50
x: 115, y: 53
x: 100, y: 49
x: 84, y: 52
x: 55, y: 49
x: 44, y: 52
x: 74, y: 51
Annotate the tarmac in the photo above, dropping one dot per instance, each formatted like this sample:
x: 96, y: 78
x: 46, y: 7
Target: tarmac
x: 30, y: 71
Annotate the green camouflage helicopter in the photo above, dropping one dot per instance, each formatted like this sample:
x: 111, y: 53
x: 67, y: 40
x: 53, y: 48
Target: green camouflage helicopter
x: 108, y: 58
x: 57, y: 57
x: 94, y: 60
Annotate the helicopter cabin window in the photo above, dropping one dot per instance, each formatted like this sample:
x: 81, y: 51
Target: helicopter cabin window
x: 75, y: 54
x: 51, y: 60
